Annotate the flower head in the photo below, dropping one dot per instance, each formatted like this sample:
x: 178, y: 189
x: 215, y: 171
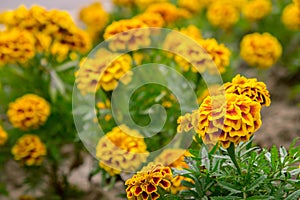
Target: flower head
x: 3, y: 136
x: 222, y: 14
x: 137, y: 37
x: 145, y: 183
x: 261, y: 50
x: 255, y: 10
x: 16, y: 46
x: 121, y: 149
x: 225, y: 119
x: 192, y: 5
x: 28, y: 112
x: 151, y: 19
x: 291, y: 16
x: 100, y: 72
x: 257, y: 91
x: 30, y: 150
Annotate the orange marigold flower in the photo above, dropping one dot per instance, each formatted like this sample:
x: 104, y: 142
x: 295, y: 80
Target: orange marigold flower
x: 3, y: 136
x: 261, y: 50
x: 291, y: 16
x: 257, y: 91
x: 28, y: 112
x: 255, y: 10
x: 30, y: 150
x: 138, y: 37
x: 222, y: 14
x: 16, y: 46
x: 145, y: 183
x: 151, y: 19
x: 225, y: 119
x: 121, y: 149
x: 100, y: 72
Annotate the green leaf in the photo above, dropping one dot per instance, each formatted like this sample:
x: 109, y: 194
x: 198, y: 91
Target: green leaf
x: 225, y: 198
x: 204, y: 157
x: 295, y: 195
x: 264, y: 197
x: 274, y: 157
x: 3, y: 190
x: 234, y: 189
x: 283, y: 154
x: 256, y: 183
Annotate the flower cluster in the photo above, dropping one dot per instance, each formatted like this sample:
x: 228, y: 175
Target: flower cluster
x: 291, y: 16
x: 121, y: 149
x: 137, y: 37
x: 261, y: 50
x: 100, y: 72
x: 95, y: 18
x: 255, y: 10
x: 17, y: 46
x: 174, y: 158
x: 3, y: 136
x: 230, y: 117
x: 54, y: 31
x: 30, y: 150
x: 28, y: 112
x: 145, y: 183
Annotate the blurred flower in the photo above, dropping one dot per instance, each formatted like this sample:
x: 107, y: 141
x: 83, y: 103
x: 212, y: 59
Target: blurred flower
x: 100, y: 72
x: 219, y: 53
x: 261, y: 50
x: 222, y: 14
x: 192, y: 31
x: 257, y: 91
x: 255, y: 10
x: 121, y: 149
x: 137, y: 37
x: 151, y: 19
x: 26, y: 197
x: 291, y: 16
x: 3, y: 136
x: 174, y: 158
x: 225, y: 119
x: 28, y: 112
x: 124, y: 2
x: 16, y: 46
x: 185, y: 122
x: 105, y: 106
x: 30, y: 150
x: 146, y: 183
x: 192, y: 5
x: 95, y: 18
x: 146, y: 3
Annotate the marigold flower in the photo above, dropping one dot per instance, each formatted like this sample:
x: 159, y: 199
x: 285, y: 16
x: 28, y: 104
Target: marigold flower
x: 16, y: 46
x: 145, y: 183
x: 261, y: 50
x: 192, y: 31
x: 169, y: 12
x: 213, y: 90
x: 151, y: 19
x: 257, y: 91
x: 225, y: 119
x: 291, y: 16
x: 3, y: 136
x: 30, y: 150
x: 142, y: 4
x: 193, y: 5
x: 138, y: 37
x: 121, y: 149
x: 222, y: 14
x: 255, y: 10
x: 95, y: 18
x: 94, y: 72
x: 28, y: 112
x: 174, y: 158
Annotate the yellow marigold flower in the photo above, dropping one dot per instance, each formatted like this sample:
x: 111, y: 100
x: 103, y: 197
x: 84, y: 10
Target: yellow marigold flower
x: 261, y: 50
x: 192, y: 5
x: 222, y: 14
x: 121, y: 149
x: 257, y: 91
x: 255, y: 10
x: 219, y: 53
x: 192, y: 31
x: 124, y: 40
x: 28, y: 112
x: 94, y: 73
x: 95, y: 18
x: 3, y: 136
x: 291, y: 16
x: 185, y: 122
x: 30, y: 150
x: 151, y: 19
x: 168, y: 11
x: 16, y: 46
x: 145, y: 183
x: 146, y: 3
x: 225, y: 119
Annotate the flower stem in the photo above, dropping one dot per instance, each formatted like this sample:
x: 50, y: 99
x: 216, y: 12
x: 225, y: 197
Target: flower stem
x: 231, y: 153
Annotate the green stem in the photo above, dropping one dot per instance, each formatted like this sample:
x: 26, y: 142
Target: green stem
x: 231, y: 153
